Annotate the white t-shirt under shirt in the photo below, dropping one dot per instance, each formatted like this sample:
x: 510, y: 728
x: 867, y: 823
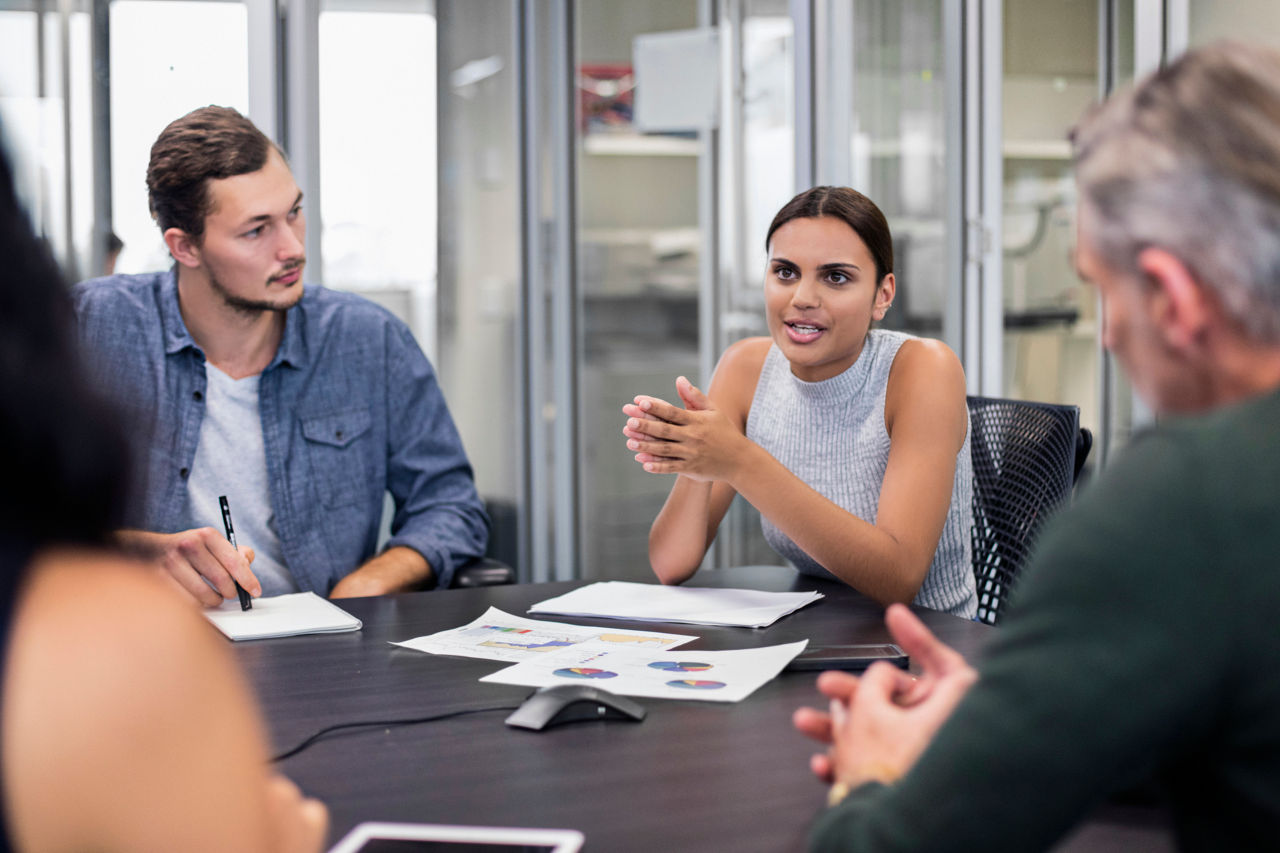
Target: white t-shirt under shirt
x: 231, y: 460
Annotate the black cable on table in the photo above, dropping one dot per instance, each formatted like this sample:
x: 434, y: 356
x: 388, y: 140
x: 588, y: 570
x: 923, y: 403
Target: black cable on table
x: 385, y: 724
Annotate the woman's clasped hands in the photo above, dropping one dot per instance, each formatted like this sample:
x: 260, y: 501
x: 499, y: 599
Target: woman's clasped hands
x: 698, y: 441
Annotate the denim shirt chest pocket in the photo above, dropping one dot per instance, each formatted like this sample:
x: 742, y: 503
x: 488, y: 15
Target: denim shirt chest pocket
x: 340, y: 454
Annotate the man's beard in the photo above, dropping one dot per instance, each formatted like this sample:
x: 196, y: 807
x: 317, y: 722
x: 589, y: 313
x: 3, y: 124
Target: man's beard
x: 254, y: 306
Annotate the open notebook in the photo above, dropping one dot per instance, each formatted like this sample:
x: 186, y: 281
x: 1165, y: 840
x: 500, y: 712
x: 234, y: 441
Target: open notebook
x: 282, y: 616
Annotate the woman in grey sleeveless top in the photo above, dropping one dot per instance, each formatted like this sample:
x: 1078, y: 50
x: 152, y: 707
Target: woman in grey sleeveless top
x: 852, y: 442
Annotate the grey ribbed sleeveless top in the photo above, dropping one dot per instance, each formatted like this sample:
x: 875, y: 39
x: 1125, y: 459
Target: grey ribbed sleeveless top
x: 831, y: 434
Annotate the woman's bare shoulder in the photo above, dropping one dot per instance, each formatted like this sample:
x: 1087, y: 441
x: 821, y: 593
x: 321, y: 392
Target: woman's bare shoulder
x: 734, y: 385
x: 746, y: 354
x: 928, y: 361
x: 926, y: 381
x: 741, y: 363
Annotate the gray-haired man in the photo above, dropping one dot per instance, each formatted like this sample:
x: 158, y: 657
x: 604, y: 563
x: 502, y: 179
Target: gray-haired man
x: 1142, y: 643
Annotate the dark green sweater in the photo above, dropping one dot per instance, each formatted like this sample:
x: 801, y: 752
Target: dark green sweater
x: 1143, y: 641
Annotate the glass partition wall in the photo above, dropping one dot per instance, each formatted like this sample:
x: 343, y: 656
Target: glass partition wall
x: 882, y: 124
x: 759, y: 168
x: 638, y: 250
x: 47, y: 122
x: 481, y: 359
x: 1051, y: 330
x: 167, y: 58
x: 376, y: 86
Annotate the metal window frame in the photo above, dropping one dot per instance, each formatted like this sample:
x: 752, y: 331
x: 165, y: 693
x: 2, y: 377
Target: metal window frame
x: 722, y: 173
x: 954, y: 328
x: 265, y: 52
x: 299, y: 134
x: 1177, y: 27
x: 833, y: 86
x: 981, y: 191
x: 100, y: 107
x: 550, y: 301
x: 711, y: 300
x: 991, y: 187
x: 804, y: 16
x: 54, y: 16
x: 1154, y: 23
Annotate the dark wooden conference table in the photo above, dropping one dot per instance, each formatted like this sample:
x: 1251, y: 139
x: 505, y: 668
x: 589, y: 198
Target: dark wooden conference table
x: 696, y: 776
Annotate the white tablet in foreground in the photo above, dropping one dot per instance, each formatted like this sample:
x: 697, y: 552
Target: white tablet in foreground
x: 441, y: 838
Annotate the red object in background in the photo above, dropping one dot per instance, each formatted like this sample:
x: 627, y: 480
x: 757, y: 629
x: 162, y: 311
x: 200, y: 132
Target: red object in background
x: 605, y: 98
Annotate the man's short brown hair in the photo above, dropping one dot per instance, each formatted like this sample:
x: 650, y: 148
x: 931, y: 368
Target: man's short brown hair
x: 205, y: 144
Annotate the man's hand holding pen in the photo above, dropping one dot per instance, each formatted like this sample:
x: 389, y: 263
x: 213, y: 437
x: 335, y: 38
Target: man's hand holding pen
x: 246, y: 603
x: 201, y: 561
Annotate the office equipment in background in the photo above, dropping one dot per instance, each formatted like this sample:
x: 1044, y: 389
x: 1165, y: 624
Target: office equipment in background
x: 282, y: 616
x: 851, y: 657
x: 558, y: 704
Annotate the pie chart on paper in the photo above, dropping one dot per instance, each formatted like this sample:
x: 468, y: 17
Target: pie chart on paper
x: 584, y: 672
x: 679, y: 666
x: 696, y: 684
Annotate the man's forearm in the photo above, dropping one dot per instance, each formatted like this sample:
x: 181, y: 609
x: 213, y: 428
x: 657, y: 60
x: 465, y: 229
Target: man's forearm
x: 396, y: 569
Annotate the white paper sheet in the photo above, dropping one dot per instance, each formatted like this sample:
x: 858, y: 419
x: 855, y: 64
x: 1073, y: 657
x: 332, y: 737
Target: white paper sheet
x: 727, y: 676
x: 500, y: 636
x: 281, y: 616
x: 366, y: 836
x: 746, y: 608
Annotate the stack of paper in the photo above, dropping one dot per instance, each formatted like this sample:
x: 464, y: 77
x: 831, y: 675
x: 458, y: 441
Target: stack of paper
x: 747, y: 608
x: 281, y: 616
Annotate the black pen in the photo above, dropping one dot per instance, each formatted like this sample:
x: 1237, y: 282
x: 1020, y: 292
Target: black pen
x: 246, y: 603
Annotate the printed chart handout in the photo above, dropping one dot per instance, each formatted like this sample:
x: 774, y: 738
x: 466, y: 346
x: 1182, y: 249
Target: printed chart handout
x: 500, y: 636
x: 724, y: 676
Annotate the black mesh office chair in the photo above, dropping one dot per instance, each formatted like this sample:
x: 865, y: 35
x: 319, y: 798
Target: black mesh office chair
x: 1026, y: 458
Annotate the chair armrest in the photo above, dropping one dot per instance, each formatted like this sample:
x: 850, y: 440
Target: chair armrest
x: 484, y: 571
x: 1084, y: 442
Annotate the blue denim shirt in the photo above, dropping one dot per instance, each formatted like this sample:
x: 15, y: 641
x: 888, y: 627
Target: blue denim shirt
x: 350, y: 409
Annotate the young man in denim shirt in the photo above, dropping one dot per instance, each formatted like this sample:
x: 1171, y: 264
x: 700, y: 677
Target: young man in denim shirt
x: 302, y: 405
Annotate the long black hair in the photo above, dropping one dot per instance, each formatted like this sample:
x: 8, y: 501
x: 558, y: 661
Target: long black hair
x: 63, y: 457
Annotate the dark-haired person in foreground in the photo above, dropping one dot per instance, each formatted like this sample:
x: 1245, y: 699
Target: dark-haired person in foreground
x: 304, y: 406
x: 1142, y: 642
x: 125, y: 725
